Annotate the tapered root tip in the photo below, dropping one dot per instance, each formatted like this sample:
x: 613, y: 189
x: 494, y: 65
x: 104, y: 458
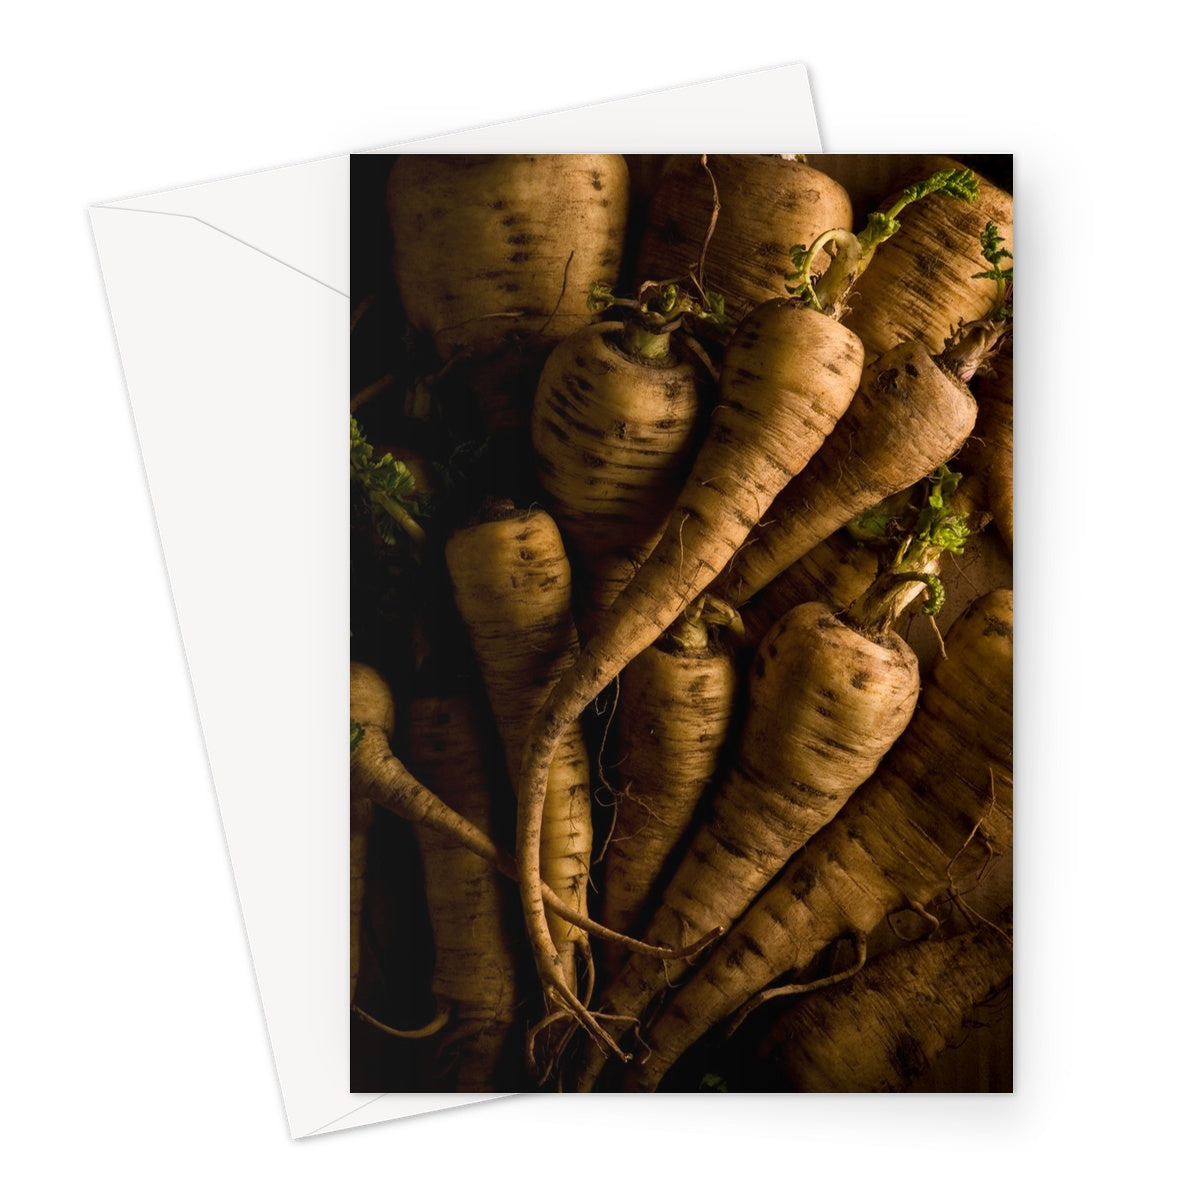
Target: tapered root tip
x: 565, y: 1006
x: 436, y: 1025
x: 695, y: 947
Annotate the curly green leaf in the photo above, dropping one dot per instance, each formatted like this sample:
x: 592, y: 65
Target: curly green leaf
x: 851, y: 254
x: 937, y: 595
x: 600, y: 297
x: 937, y: 527
x: 942, y: 485
x: 994, y: 254
x: 879, y: 228
x: 714, y: 313
x: 949, y: 533
x: 873, y: 527
x: 957, y: 183
x: 387, y: 485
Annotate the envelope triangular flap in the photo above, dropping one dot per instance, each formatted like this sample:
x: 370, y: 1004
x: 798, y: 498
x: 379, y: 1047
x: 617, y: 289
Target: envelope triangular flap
x: 210, y: 426
x: 296, y: 215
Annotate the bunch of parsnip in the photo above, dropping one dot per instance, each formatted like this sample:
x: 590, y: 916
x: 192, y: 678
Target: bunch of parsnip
x: 681, y: 691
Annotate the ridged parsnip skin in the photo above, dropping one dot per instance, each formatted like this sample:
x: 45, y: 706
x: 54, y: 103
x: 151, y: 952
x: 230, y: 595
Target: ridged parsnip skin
x: 768, y: 205
x: 375, y: 772
x: 836, y: 572
x: 673, y: 714
x: 868, y: 178
x: 892, y: 845
x: 788, y: 375
x: 990, y: 450
x: 984, y: 565
x: 512, y: 585
x: 477, y: 238
x: 920, y: 283
x: 787, y: 378
x: 475, y: 967
x: 879, y: 1030
x: 370, y: 698
x: 907, y: 418
x: 824, y: 705
x: 614, y: 436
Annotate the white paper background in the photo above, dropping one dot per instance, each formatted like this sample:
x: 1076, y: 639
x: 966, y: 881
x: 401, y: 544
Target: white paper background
x: 134, y: 1049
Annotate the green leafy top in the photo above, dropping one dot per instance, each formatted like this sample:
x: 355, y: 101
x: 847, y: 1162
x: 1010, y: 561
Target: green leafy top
x: 994, y: 254
x: 904, y: 528
x: 972, y: 345
x: 915, y: 537
x: 957, y: 184
x: 387, y: 485
x: 881, y: 524
x: 658, y: 310
x: 386, y: 474
x: 827, y: 293
x: 938, y: 526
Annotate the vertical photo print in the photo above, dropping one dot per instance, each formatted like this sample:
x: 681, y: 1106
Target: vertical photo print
x: 681, y: 623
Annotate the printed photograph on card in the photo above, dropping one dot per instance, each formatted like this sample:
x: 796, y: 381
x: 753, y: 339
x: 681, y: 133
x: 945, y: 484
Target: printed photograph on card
x: 681, y: 623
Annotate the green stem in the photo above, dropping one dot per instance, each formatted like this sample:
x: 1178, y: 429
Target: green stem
x: 839, y: 275
x: 400, y: 515
x: 386, y: 484
x: 640, y: 342
x: 957, y: 183
x: 942, y: 527
x: 930, y: 582
x: 877, y: 609
x: 972, y: 346
x: 828, y: 294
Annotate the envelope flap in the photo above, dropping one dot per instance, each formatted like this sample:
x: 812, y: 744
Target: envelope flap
x: 269, y: 407
x: 298, y: 215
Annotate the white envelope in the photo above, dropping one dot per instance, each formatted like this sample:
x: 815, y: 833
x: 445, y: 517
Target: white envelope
x: 230, y: 303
